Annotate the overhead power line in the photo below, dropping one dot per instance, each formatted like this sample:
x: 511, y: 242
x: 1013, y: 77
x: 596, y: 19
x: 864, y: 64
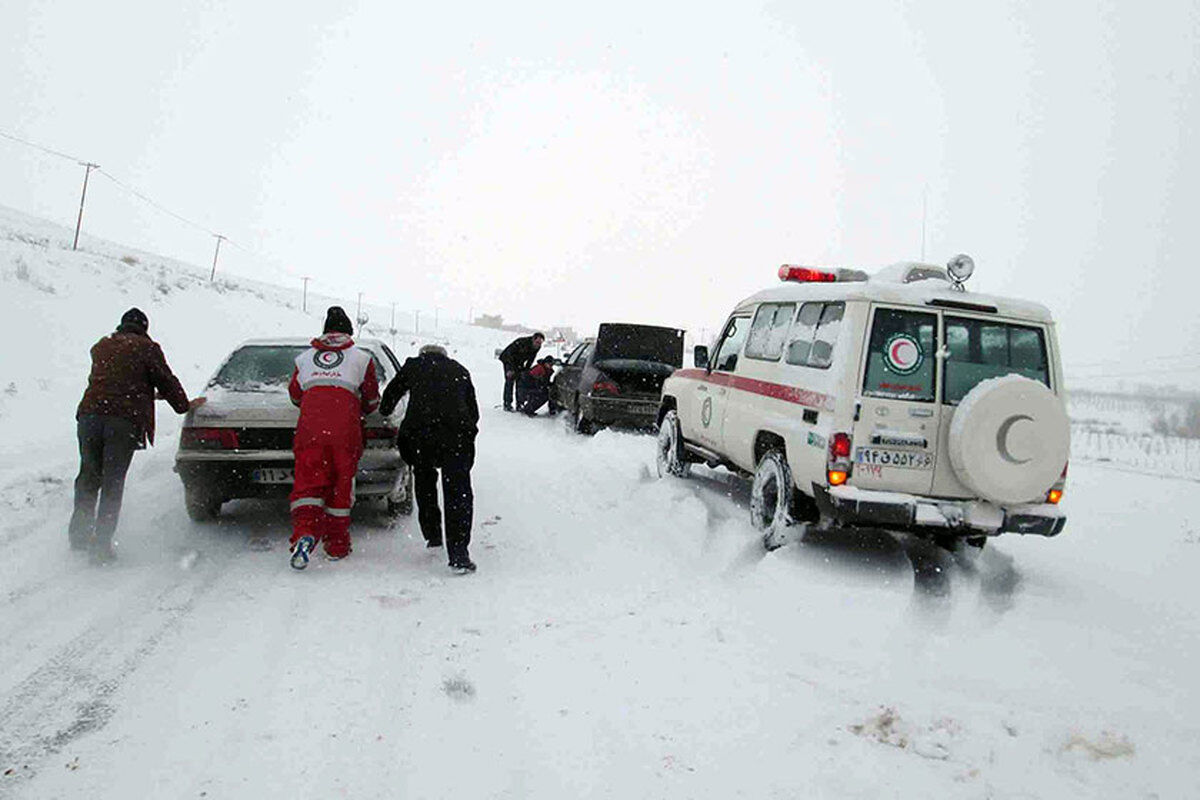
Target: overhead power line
x: 43, y: 148
x: 141, y: 196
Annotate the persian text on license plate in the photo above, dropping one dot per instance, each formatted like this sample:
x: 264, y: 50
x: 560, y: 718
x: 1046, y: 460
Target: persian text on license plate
x: 273, y: 475
x: 905, y: 459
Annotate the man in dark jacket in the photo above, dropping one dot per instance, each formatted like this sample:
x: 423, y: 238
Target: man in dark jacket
x: 116, y: 417
x: 438, y: 433
x: 517, y: 358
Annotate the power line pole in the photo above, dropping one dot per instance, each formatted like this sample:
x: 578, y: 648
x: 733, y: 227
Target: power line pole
x: 88, y: 167
x: 212, y: 276
x: 358, y: 314
x: 417, y: 321
x: 304, y: 300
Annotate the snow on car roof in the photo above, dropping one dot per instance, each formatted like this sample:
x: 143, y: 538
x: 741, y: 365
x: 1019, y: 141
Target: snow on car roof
x: 882, y: 287
x: 299, y: 341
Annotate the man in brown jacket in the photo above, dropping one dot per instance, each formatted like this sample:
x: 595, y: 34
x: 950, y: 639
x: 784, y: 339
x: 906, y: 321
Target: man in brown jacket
x: 116, y: 417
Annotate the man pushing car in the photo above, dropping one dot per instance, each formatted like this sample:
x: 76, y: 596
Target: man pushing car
x: 334, y: 384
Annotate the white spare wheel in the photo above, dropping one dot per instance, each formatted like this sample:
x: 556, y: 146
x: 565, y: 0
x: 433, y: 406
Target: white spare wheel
x: 1010, y: 439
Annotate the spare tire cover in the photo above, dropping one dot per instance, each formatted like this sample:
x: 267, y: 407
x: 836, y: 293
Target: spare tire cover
x: 1010, y: 439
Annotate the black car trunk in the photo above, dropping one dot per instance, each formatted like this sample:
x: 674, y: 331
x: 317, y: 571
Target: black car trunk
x: 638, y: 358
x: 635, y: 378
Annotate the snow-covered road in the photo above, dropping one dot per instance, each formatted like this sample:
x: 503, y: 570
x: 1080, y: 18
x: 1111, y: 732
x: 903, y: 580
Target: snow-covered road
x: 624, y: 637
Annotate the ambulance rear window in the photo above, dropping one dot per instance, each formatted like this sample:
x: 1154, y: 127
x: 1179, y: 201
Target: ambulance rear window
x: 980, y: 349
x: 900, y: 358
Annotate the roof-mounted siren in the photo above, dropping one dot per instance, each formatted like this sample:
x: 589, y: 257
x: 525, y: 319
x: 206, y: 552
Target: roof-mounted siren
x: 960, y: 268
x: 798, y: 274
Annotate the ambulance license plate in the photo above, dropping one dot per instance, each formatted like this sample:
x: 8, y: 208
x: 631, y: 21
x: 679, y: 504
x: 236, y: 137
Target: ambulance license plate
x: 904, y: 459
x: 273, y: 475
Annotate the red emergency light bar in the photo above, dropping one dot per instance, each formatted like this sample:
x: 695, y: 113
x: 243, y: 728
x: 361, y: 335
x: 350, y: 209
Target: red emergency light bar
x: 790, y: 272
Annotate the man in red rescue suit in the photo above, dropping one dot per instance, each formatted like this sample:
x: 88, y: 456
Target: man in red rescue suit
x: 334, y: 384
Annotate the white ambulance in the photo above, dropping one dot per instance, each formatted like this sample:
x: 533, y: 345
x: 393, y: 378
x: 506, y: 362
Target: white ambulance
x: 894, y: 400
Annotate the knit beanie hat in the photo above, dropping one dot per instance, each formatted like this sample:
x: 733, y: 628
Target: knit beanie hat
x: 135, y: 318
x: 336, y: 321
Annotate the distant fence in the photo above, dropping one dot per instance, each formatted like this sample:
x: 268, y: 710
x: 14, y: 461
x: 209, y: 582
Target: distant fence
x: 1151, y: 452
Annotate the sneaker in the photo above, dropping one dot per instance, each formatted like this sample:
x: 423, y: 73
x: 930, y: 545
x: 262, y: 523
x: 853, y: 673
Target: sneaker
x: 463, y: 566
x: 432, y: 543
x: 301, y: 551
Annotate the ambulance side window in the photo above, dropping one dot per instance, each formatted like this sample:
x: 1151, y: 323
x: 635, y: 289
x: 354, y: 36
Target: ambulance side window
x: 769, y: 331
x: 731, y: 344
x: 814, y: 335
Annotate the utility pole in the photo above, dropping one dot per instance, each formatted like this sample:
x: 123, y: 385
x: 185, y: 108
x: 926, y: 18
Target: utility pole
x: 392, y: 329
x: 304, y: 301
x: 417, y: 321
x: 212, y: 276
x: 88, y: 167
x: 358, y: 314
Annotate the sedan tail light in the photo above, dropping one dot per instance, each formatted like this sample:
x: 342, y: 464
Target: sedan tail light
x: 605, y: 386
x: 208, y: 439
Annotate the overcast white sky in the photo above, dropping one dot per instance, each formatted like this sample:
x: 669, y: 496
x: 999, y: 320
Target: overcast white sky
x: 636, y: 161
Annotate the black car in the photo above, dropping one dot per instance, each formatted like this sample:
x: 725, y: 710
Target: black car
x: 617, y: 378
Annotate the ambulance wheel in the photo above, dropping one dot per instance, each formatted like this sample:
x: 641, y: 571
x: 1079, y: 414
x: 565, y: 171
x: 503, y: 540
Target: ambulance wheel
x: 202, y: 505
x: 669, y: 451
x: 771, y: 499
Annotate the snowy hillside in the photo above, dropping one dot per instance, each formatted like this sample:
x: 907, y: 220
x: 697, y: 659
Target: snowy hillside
x: 625, y: 637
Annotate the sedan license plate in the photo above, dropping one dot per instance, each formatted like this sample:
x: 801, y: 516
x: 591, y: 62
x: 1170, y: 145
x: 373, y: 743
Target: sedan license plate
x: 904, y: 459
x: 273, y: 475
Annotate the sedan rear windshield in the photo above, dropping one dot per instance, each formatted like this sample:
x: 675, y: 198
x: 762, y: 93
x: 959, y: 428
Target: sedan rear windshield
x: 640, y: 343
x: 980, y: 349
x: 258, y: 365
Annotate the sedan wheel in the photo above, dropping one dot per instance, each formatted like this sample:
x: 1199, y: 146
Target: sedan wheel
x: 582, y: 423
x: 771, y: 500
x: 202, y: 506
x: 670, y: 448
x: 400, y: 502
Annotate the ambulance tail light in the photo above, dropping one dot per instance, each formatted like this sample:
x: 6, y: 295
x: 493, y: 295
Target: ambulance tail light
x: 208, y: 439
x: 840, y: 466
x: 839, y: 447
x: 1056, y: 492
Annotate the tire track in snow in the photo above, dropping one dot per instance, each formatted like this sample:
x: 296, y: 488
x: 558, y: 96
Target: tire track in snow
x: 70, y: 694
